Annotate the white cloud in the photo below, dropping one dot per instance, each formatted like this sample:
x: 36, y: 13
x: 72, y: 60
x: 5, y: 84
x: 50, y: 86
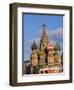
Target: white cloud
x: 55, y: 32
x: 53, y: 35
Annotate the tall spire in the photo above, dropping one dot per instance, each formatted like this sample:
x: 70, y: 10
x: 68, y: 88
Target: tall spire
x: 44, y: 27
x: 44, y: 38
x: 44, y: 34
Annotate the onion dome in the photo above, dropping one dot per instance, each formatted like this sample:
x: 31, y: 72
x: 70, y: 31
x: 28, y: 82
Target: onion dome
x: 57, y: 47
x: 50, y: 46
x: 34, y: 45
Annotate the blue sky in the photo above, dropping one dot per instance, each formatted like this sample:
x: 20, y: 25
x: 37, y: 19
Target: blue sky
x: 33, y: 30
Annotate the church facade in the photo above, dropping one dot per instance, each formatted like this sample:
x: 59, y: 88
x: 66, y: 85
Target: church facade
x: 46, y: 59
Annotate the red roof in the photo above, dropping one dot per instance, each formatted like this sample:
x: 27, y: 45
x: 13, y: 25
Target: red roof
x: 50, y: 46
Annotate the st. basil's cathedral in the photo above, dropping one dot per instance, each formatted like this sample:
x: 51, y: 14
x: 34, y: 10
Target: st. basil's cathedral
x: 47, y: 58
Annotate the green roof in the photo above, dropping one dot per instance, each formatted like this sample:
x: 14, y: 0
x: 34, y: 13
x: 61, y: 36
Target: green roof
x: 57, y: 47
x: 41, y: 52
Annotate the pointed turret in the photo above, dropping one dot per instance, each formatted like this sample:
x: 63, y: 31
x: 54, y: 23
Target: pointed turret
x: 44, y: 38
x: 43, y: 45
x: 44, y: 27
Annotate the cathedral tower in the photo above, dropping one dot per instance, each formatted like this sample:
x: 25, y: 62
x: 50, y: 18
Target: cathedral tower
x: 34, y: 56
x: 43, y: 45
x: 50, y: 56
x: 57, y: 54
x: 44, y: 38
